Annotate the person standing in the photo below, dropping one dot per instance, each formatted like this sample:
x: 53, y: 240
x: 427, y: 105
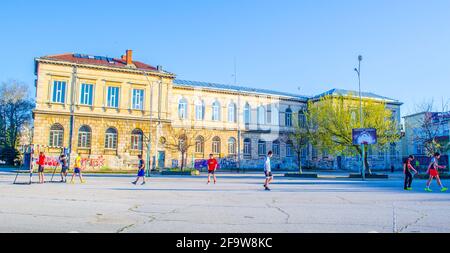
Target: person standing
x: 212, y: 167
x: 41, y: 163
x: 64, y: 166
x: 77, y: 170
x: 434, y: 173
x: 141, y: 171
x: 407, y: 170
x: 268, y: 171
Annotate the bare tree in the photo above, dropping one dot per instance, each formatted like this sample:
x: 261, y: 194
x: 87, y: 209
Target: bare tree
x: 427, y: 129
x: 182, y: 140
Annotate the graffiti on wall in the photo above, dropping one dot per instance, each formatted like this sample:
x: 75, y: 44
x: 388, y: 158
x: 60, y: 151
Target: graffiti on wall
x: 93, y: 163
x: 223, y: 163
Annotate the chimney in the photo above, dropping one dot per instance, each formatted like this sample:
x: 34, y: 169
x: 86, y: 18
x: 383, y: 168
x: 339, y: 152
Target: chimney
x: 124, y: 58
x: 129, y: 57
x: 159, y: 68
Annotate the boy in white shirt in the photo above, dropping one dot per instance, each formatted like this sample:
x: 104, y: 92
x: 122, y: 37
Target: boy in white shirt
x: 268, y: 171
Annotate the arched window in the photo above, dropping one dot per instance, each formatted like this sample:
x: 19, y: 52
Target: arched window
x: 301, y: 119
x: 199, y: 145
x: 289, y: 149
x: 247, y: 147
x: 216, y: 111
x: 269, y: 114
x: 216, y: 145
x: 232, y: 146
x: 247, y: 113
x: 232, y: 112
x: 261, y: 119
x: 56, y: 135
x: 288, y: 117
x: 261, y: 147
x: 275, y: 116
x: 199, y: 110
x: 276, y: 148
x: 182, y: 108
x: 137, y: 137
x: 84, y: 137
x: 111, y: 138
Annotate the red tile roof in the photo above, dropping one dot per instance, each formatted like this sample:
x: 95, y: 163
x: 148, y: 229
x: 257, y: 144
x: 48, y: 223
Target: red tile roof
x: 69, y: 57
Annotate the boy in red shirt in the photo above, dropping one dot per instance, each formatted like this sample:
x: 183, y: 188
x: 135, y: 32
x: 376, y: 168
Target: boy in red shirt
x: 41, y: 163
x: 212, y: 166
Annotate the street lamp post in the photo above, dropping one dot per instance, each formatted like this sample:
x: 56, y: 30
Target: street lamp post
x: 361, y: 120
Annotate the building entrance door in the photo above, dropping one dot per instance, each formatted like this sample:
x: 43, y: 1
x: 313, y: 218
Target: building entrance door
x: 161, y: 159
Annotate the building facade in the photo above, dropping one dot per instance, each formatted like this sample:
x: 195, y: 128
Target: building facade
x: 426, y: 133
x: 109, y: 110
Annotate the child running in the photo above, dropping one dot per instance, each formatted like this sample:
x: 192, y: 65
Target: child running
x: 212, y: 167
x: 41, y: 163
x: 433, y: 171
x: 77, y: 170
x: 407, y: 168
x: 64, y: 167
x: 141, y: 171
x: 268, y: 171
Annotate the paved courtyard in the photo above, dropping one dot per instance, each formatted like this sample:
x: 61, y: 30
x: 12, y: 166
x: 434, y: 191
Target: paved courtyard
x: 237, y: 203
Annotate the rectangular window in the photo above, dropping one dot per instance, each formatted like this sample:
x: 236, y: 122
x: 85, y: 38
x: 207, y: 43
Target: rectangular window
x: 86, y: 94
x: 261, y: 148
x: 59, y: 92
x: 138, y: 99
x: 288, y: 150
x: 113, y: 97
x: 276, y: 149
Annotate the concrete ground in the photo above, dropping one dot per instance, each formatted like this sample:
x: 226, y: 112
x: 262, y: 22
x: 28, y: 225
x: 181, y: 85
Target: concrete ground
x: 238, y: 203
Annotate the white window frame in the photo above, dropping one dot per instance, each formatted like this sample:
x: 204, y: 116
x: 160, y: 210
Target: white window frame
x: 59, y: 92
x: 137, y: 101
x: 182, y: 110
x: 215, y: 111
x: 110, y: 102
x: 87, y: 98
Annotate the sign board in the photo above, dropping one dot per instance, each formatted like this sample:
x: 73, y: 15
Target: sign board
x: 364, y: 136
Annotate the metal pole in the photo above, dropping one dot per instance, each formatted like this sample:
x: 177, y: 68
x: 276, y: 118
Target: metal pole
x: 361, y: 117
x: 238, y: 122
x: 149, y: 142
x: 72, y: 110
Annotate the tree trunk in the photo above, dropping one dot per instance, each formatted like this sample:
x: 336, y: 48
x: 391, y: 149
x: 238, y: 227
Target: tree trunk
x: 182, y: 161
x: 299, y: 157
x: 366, y: 163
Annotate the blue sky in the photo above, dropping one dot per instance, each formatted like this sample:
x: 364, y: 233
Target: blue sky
x: 282, y: 45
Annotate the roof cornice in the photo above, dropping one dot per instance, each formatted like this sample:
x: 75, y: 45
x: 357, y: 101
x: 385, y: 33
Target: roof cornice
x: 102, y: 67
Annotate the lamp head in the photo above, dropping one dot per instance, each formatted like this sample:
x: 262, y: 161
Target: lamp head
x: 360, y: 58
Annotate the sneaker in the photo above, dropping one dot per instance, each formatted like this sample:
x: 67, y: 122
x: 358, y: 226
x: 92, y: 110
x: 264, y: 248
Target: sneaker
x: 134, y: 182
x: 143, y: 183
x: 267, y: 189
x: 214, y: 182
x: 409, y: 189
x: 208, y: 183
x: 428, y: 190
x: 444, y: 189
x: 83, y: 181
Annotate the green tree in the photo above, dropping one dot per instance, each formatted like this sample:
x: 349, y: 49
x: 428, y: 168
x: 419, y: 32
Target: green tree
x: 15, y: 113
x: 334, y: 117
x: 301, y: 136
